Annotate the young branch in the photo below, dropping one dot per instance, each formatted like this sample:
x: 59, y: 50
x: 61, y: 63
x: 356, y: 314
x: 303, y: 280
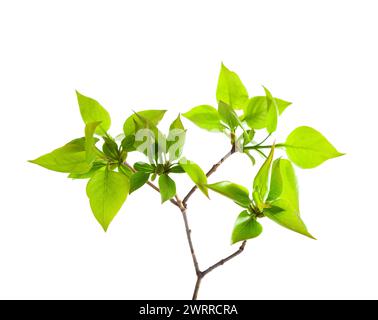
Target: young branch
x: 189, y: 235
x: 213, y: 267
x: 209, y: 173
x: 223, y: 261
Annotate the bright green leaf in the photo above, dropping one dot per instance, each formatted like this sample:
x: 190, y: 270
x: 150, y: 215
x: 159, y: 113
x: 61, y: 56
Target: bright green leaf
x: 231, y: 190
x: 95, y: 166
x: 167, y: 187
x: 282, y: 105
x: 228, y: 115
x: 246, y: 227
x: 107, y: 191
x: 261, y: 181
x: 205, y: 117
x: 256, y: 112
x: 92, y: 111
x: 148, y: 139
x: 153, y: 116
x: 71, y: 158
x: 283, y: 198
x: 176, y: 139
x: 195, y: 173
x: 308, y: 148
x: 90, y: 140
x: 230, y: 89
x: 138, y: 180
x: 272, y: 112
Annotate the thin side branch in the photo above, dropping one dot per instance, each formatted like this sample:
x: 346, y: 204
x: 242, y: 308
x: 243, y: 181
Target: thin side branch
x: 209, y: 173
x: 202, y: 274
x: 223, y: 261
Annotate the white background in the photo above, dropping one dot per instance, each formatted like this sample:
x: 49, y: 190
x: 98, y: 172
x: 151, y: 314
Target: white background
x: 321, y: 55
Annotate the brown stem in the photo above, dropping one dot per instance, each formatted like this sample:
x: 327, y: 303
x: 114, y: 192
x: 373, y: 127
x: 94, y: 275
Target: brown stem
x: 223, y: 261
x: 189, y: 236
x: 209, y: 173
x: 197, y: 287
x: 202, y: 274
x: 183, y: 207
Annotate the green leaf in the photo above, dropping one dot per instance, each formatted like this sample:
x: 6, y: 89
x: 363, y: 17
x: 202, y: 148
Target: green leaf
x: 272, y: 112
x: 283, y: 198
x: 205, y: 117
x: 282, y: 105
x: 110, y: 148
x: 107, y: 191
x: 308, y: 148
x: 124, y: 169
x: 148, y: 139
x: 92, y: 111
x: 90, y: 140
x: 176, y: 139
x: 230, y: 89
x: 256, y: 112
x: 128, y: 143
x: 95, y: 166
x: 167, y: 187
x: 195, y: 173
x: 261, y: 181
x: 234, y: 191
x: 144, y: 167
x: 176, y: 169
x: 248, y: 136
x: 138, y: 180
x: 228, y: 115
x: 71, y: 158
x: 153, y: 116
x: 246, y: 227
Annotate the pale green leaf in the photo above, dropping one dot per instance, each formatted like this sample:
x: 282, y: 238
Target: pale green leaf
x: 272, y: 112
x: 233, y: 191
x: 283, y: 198
x: 228, y: 115
x: 176, y: 139
x: 153, y: 116
x: 308, y: 148
x: 230, y: 89
x: 107, y: 191
x: 97, y: 165
x: 246, y: 227
x: 256, y: 112
x: 195, y: 173
x: 167, y: 188
x: 90, y: 140
x: 71, y: 158
x: 261, y: 181
x: 205, y: 117
x: 92, y: 111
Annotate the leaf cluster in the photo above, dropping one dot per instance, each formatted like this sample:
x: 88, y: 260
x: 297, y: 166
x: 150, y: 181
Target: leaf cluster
x: 102, y: 158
